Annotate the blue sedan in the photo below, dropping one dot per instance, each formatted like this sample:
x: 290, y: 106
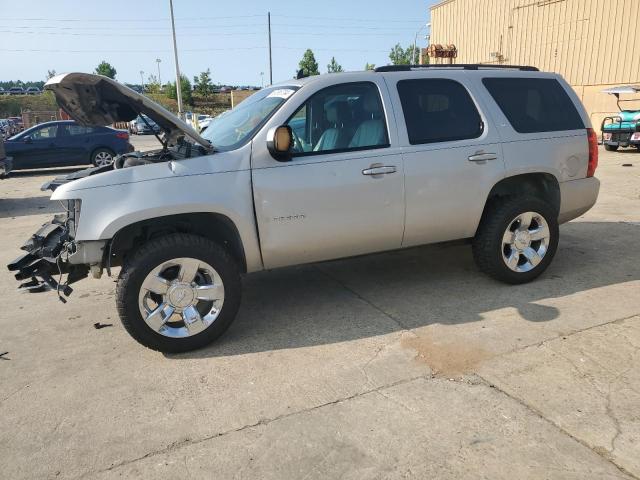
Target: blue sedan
x: 65, y: 143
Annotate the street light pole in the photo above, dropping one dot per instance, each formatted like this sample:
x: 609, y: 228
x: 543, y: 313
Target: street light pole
x: 142, y: 80
x: 270, y: 61
x: 159, y: 79
x: 415, y: 43
x: 175, y: 54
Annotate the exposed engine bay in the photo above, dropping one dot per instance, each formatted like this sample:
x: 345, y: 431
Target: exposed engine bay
x: 184, y: 149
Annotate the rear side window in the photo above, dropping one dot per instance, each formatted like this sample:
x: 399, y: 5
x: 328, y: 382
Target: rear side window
x: 534, y: 104
x: 437, y: 110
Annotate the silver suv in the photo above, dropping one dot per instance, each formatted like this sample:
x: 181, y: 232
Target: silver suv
x: 314, y: 169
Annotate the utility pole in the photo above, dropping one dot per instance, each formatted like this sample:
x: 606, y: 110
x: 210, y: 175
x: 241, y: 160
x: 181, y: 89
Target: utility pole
x: 175, y: 53
x: 159, y: 79
x: 262, y: 79
x: 142, y: 80
x: 270, y: 60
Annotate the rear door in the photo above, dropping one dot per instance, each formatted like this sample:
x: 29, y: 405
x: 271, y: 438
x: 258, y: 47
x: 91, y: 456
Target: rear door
x: 72, y: 140
x: 452, y: 155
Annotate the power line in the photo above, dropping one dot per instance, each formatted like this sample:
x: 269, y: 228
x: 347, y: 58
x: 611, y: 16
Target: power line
x: 213, y: 28
x: 211, y: 34
x: 209, y: 19
x: 121, y: 20
x: 262, y: 47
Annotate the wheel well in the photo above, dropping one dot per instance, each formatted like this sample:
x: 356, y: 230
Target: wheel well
x: 215, y: 227
x: 541, y: 185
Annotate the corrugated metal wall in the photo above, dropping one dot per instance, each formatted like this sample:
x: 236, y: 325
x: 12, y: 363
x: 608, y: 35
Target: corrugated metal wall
x: 589, y: 42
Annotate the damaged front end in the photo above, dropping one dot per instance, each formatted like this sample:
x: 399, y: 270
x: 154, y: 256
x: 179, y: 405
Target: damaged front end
x: 49, y: 254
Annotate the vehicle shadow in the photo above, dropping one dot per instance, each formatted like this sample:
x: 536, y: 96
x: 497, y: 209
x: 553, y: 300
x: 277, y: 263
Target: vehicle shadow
x: 20, y: 207
x: 374, y: 295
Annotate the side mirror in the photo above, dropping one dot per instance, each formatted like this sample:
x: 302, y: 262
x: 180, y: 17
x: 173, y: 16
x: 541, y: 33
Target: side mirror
x: 27, y: 139
x: 280, y: 142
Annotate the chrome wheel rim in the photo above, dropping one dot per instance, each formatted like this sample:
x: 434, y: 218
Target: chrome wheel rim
x: 103, y: 158
x: 181, y: 297
x: 525, y: 242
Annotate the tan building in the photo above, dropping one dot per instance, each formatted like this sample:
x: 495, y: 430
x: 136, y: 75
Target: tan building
x: 593, y: 44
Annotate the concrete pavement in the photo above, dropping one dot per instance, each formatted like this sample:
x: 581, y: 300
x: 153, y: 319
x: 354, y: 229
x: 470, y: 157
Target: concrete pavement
x: 401, y: 365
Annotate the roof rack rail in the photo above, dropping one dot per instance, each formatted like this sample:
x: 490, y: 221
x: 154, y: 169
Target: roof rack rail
x: 464, y: 66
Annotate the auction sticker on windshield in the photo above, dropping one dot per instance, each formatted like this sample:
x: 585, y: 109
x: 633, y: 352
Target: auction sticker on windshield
x: 281, y: 92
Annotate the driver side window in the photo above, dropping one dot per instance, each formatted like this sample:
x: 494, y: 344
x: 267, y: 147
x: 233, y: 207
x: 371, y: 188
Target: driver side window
x: 45, y: 133
x: 338, y: 119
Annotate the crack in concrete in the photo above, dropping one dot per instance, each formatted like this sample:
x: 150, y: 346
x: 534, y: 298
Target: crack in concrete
x: 365, y: 300
x: 600, y: 452
x: 262, y: 422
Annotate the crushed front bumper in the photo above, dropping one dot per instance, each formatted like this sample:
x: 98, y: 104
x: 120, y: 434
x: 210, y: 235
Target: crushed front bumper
x: 47, y: 256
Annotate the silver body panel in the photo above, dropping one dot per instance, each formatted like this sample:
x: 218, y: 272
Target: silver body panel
x: 322, y: 207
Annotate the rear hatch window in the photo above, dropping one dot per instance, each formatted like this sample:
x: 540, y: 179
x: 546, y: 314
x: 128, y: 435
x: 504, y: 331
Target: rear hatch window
x: 534, y: 104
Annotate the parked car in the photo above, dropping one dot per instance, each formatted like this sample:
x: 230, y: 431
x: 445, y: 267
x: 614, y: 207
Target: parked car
x: 387, y: 159
x: 33, y: 91
x: 17, y: 123
x: 139, y: 126
x: 2, y: 91
x: 5, y: 128
x: 63, y: 143
x: 14, y: 127
x: 5, y: 162
x: 16, y: 91
x: 622, y: 130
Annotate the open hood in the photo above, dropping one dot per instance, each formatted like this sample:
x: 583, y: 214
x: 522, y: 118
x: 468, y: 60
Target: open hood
x: 629, y: 89
x: 97, y: 100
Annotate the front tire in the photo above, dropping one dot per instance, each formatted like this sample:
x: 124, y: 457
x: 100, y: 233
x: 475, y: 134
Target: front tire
x: 517, y: 239
x: 178, y: 293
x: 611, y: 148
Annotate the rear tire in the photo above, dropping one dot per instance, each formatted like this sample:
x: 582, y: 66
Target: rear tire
x: 215, y: 270
x: 611, y: 148
x: 504, y: 246
x: 102, y: 157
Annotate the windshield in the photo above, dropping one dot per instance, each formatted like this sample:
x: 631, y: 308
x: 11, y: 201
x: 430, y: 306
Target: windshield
x: 231, y: 129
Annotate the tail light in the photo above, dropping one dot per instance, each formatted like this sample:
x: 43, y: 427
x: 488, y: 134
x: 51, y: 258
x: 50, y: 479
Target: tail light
x: 593, y: 152
x: 122, y: 135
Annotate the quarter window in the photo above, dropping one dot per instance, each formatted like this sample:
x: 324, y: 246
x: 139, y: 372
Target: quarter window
x: 437, y: 110
x: 534, y: 104
x: 340, y: 118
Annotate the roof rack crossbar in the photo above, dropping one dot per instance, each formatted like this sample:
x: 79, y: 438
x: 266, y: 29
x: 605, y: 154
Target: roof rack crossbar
x: 464, y: 66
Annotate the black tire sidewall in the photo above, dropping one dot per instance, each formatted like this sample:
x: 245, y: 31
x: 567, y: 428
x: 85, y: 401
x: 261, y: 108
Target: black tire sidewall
x: 157, y: 252
x: 494, y: 231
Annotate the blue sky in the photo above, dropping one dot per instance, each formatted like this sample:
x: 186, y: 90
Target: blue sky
x: 229, y: 37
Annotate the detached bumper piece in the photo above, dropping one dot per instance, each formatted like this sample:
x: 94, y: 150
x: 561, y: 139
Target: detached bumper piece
x: 45, y: 258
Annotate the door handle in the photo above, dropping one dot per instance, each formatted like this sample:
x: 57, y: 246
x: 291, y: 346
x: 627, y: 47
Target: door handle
x: 482, y: 157
x: 379, y: 170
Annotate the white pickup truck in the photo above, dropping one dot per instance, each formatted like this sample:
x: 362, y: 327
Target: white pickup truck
x: 314, y: 169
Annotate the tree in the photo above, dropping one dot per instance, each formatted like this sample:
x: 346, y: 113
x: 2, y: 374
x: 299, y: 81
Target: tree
x: 334, y: 67
x: 202, y: 83
x: 401, y: 56
x: 370, y: 66
x: 185, y: 89
x: 308, y: 64
x: 153, y: 85
x: 51, y: 74
x: 106, y: 69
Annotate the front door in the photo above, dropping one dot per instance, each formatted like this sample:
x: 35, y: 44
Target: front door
x: 39, y: 149
x: 342, y: 193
